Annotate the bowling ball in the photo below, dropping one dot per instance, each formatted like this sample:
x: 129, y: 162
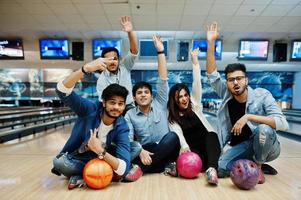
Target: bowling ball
x: 244, y: 174
x: 97, y: 173
x: 189, y: 165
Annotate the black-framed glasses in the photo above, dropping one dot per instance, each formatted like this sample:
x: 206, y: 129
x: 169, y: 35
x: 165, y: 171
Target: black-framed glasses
x: 237, y: 78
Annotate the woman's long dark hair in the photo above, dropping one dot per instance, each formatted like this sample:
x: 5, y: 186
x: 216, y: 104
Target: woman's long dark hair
x: 172, y: 104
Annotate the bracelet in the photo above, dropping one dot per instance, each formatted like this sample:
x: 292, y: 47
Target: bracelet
x: 160, y: 52
x: 84, y: 70
x: 102, y: 154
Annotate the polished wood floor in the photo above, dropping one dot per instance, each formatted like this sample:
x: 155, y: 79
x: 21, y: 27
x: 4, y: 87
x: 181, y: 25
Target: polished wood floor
x: 25, y: 174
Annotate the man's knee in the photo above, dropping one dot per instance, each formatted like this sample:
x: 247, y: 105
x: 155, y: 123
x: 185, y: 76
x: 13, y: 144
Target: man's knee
x: 63, y: 164
x: 173, y: 137
x: 264, y: 133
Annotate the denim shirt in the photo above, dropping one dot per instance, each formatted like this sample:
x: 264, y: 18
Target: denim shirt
x: 151, y: 127
x: 89, y: 118
x: 123, y: 77
x: 259, y: 102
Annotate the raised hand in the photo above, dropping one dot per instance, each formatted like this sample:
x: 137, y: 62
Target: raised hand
x: 194, y: 56
x: 158, y: 43
x: 126, y: 24
x: 98, y: 64
x: 212, y: 31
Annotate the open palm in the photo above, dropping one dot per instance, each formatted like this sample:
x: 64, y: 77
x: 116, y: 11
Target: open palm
x: 126, y: 24
x: 158, y: 43
x: 212, y: 31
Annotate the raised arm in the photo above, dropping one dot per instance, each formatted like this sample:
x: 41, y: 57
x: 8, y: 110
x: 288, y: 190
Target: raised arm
x: 74, y: 77
x: 127, y: 26
x: 162, y: 69
x: 79, y: 105
x: 212, y: 35
x: 196, y: 75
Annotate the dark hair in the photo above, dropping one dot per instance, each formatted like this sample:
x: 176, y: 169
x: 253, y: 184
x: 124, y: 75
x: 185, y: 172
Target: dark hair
x: 114, y: 90
x: 172, y: 105
x: 109, y: 49
x: 141, y: 84
x: 235, y: 67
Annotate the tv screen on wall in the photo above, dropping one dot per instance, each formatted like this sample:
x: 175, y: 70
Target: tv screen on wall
x: 11, y: 49
x: 296, y: 50
x: 253, y: 50
x: 202, y: 46
x: 148, y: 49
x: 54, y: 49
x: 99, y: 44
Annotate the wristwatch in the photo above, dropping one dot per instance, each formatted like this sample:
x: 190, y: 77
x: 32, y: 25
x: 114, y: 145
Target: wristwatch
x: 102, y: 154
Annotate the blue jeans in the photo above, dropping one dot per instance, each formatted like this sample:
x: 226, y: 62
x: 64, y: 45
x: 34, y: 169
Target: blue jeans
x: 68, y: 164
x: 262, y: 147
x: 74, y: 163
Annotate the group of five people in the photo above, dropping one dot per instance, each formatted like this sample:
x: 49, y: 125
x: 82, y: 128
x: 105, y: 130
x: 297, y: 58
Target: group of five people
x: 156, y: 129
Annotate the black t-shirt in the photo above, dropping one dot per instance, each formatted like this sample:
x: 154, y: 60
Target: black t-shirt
x: 193, y: 131
x: 236, y: 111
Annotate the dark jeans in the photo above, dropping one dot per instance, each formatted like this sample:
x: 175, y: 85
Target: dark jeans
x: 166, y: 151
x: 209, y: 150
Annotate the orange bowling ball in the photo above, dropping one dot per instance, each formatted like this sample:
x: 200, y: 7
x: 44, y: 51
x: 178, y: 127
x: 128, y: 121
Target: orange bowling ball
x: 97, y: 173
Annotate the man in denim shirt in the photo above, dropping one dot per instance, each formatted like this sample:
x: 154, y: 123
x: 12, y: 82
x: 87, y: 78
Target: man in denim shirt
x: 154, y: 146
x: 119, y: 73
x: 99, y: 128
x: 248, y: 118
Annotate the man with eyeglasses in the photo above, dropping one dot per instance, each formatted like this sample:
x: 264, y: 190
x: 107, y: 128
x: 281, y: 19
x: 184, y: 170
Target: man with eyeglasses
x: 248, y: 118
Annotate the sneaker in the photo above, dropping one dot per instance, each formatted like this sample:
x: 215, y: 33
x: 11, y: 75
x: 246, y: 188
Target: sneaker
x: 134, y: 174
x: 56, y: 172
x: 171, y: 170
x: 76, y: 181
x: 267, y: 169
x: 261, y: 178
x: 212, y: 176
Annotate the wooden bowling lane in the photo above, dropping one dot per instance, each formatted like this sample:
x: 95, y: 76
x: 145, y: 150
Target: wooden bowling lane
x: 25, y: 174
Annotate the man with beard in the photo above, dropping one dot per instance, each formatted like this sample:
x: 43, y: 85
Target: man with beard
x: 100, y: 130
x: 154, y: 146
x: 119, y: 72
x: 248, y: 118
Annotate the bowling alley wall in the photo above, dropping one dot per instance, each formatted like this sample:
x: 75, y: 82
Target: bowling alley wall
x: 34, y: 78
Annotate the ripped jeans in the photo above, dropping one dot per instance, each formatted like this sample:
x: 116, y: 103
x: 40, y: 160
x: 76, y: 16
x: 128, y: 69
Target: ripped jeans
x: 263, y: 146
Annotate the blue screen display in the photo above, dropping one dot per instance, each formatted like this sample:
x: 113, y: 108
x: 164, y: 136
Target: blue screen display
x: 54, y: 49
x: 202, y: 46
x: 296, y: 51
x: 253, y: 50
x: 148, y: 49
x: 98, y: 45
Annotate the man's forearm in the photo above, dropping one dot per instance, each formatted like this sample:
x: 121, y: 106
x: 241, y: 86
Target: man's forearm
x: 73, y: 78
x: 210, y: 60
x: 133, y: 42
x: 262, y: 120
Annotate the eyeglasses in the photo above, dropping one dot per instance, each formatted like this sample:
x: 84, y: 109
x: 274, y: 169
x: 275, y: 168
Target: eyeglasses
x: 237, y: 78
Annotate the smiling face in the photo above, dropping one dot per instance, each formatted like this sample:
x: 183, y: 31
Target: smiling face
x: 237, y: 82
x: 182, y: 99
x: 143, y: 96
x: 114, y: 106
x: 113, y: 66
